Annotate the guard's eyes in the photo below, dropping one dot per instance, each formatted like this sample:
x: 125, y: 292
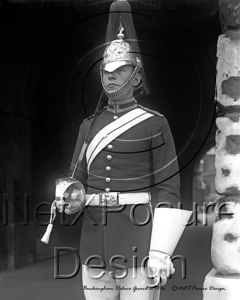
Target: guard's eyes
x: 122, y: 69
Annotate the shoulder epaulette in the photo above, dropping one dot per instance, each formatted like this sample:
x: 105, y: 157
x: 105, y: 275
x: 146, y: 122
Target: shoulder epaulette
x: 151, y: 111
x: 90, y: 117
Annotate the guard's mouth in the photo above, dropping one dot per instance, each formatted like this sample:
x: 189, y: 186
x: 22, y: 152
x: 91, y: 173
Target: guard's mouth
x: 111, y: 84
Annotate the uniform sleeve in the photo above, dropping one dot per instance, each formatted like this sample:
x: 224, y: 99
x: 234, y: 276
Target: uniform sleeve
x: 81, y: 171
x: 165, y: 164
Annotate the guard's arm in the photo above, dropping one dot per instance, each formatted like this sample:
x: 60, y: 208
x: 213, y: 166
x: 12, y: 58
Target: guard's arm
x: 167, y: 182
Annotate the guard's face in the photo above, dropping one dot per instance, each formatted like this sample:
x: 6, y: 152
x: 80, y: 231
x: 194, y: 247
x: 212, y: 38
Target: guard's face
x: 114, y: 80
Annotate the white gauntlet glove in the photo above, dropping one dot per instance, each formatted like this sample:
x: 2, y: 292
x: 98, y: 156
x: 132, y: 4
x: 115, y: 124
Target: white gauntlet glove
x: 160, y: 266
x: 168, y: 226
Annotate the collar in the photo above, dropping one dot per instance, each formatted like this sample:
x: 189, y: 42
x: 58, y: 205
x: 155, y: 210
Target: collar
x: 121, y: 106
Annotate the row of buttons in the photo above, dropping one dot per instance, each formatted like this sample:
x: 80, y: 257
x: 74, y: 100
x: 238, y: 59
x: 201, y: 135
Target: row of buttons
x: 109, y: 157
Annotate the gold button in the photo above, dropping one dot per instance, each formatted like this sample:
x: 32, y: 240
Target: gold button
x: 109, y: 157
x: 107, y: 190
x: 106, y: 195
x: 110, y: 146
x: 108, y: 168
x: 107, y: 180
x: 115, y: 117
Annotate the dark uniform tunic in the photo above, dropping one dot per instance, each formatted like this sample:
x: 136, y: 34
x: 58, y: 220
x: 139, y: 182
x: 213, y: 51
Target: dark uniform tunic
x: 142, y: 159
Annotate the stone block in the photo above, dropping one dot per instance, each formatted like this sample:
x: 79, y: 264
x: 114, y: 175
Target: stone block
x: 227, y: 156
x: 228, y: 71
x: 221, y: 287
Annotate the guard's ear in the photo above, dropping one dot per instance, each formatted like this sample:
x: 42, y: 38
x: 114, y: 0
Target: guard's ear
x: 137, y: 79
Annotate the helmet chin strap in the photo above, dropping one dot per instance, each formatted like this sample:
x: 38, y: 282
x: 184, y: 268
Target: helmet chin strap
x: 125, y: 85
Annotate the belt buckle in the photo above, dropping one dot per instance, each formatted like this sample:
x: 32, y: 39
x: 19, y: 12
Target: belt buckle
x: 108, y: 199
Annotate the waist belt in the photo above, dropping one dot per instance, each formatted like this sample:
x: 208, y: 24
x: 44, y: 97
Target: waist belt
x: 116, y: 199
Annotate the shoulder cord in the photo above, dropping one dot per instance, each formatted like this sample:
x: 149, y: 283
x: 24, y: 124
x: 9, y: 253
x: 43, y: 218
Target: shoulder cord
x: 85, y: 144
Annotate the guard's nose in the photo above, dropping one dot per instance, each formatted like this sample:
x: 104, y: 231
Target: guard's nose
x: 111, y: 76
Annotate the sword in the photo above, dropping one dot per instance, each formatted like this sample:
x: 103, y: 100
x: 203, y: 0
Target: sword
x: 63, y: 184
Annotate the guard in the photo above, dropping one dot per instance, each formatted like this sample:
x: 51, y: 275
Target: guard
x: 128, y: 150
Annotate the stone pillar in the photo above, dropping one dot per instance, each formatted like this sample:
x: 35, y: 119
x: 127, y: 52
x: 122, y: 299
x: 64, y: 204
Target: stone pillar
x: 223, y: 281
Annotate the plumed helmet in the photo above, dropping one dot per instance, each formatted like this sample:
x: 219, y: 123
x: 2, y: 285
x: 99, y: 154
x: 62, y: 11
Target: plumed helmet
x: 123, y: 47
x: 118, y: 53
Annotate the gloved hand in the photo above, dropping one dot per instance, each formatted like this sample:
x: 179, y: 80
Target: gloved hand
x: 160, y: 266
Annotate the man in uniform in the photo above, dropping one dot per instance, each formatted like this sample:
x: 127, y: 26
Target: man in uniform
x: 130, y: 149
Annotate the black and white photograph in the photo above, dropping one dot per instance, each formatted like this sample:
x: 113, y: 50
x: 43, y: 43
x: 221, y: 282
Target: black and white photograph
x: 120, y: 149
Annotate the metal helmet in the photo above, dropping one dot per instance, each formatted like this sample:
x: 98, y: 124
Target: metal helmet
x: 122, y: 52
x: 119, y: 53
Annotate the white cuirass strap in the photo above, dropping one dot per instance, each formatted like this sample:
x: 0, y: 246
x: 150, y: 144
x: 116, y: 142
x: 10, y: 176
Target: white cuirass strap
x: 113, y: 130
